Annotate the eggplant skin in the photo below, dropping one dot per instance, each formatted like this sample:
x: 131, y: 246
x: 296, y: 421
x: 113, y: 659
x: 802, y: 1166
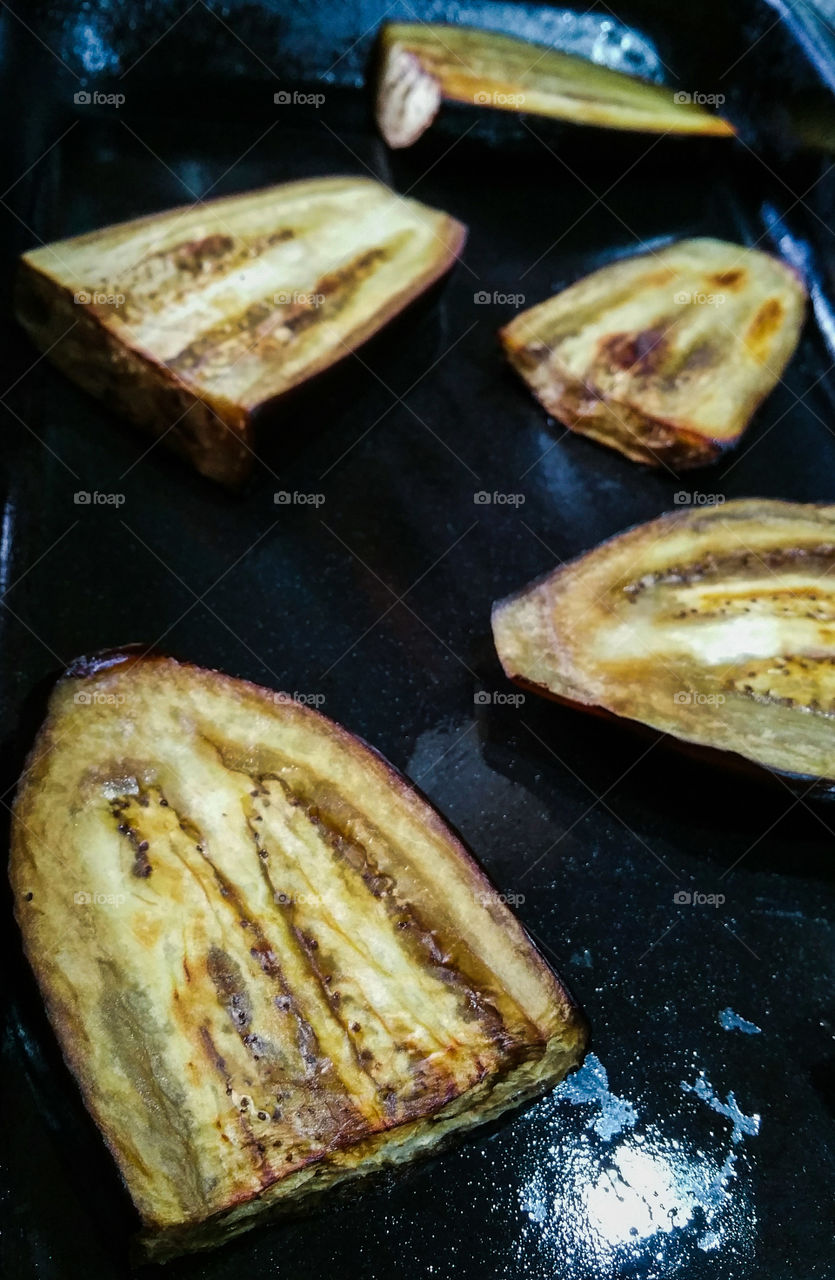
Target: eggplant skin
x: 270, y: 964
x: 716, y: 626
x: 663, y: 356
x: 190, y: 321
x: 421, y: 64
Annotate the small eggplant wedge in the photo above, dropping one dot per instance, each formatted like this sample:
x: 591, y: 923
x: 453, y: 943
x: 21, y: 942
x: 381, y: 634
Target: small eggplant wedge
x: 666, y: 355
x: 715, y: 625
x: 190, y: 321
x: 422, y: 64
x: 271, y: 965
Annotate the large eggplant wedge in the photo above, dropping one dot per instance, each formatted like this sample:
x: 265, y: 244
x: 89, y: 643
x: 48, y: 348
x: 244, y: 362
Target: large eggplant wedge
x: 715, y: 625
x: 663, y: 356
x: 190, y: 321
x: 422, y: 64
x: 271, y: 966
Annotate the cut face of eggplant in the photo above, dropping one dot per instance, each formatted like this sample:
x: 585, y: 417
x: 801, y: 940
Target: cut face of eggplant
x: 664, y: 356
x: 270, y: 964
x: 422, y: 64
x: 189, y: 321
x: 716, y: 626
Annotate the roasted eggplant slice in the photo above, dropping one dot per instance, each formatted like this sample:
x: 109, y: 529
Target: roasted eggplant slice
x: 270, y: 964
x: 189, y: 321
x: 664, y: 356
x: 422, y: 64
x: 716, y: 626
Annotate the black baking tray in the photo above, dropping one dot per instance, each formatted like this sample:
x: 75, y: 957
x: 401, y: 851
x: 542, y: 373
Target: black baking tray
x: 690, y: 1145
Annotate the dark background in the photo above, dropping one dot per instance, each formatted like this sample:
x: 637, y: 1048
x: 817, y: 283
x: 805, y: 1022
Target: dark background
x: 379, y: 600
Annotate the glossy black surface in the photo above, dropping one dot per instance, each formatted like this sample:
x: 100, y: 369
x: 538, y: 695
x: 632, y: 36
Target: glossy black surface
x: 691, y: 1145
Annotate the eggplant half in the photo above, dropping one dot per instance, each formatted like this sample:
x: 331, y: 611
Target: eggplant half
x: 190, y: 321
x: 422, y: 64
x: 714, y: 625
x: 666, y: 355
x: 271, y: 966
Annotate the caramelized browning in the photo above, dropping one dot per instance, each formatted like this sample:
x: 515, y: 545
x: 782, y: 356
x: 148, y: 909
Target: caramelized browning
x: 716, y: 626
x: 189, y: 321
x: 664, y: 356
x: 283, y: 966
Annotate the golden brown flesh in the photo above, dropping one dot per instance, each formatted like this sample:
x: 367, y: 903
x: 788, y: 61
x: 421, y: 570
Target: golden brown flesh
x: 189, y: 321
x: 270, y: 964
x: 422, y: 64
x: 716, y: 626
x: 664, y: 356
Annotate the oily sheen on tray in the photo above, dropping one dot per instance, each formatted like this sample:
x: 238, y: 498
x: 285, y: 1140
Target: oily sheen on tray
x: 270, y: 964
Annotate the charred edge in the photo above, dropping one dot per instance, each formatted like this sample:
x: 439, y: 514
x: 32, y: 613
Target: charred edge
x: 583, y: 407
x: 87, y: 666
